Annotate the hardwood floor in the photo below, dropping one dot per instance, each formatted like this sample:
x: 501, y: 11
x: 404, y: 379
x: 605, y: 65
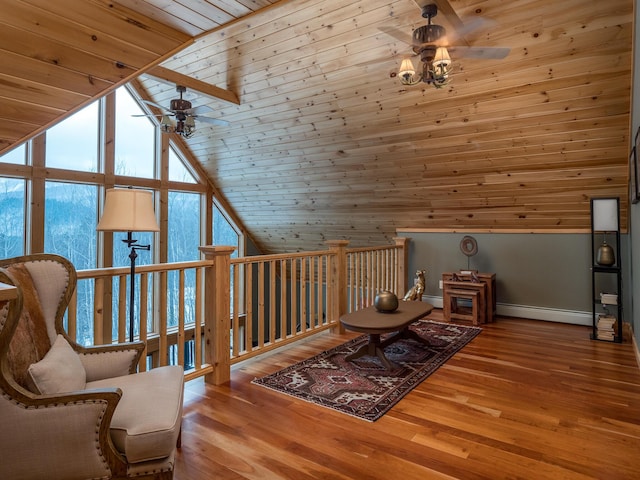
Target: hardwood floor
x: 524, y: 400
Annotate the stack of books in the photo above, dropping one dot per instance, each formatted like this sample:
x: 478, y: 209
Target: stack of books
x: 609, y: 298
x: 606, y: 327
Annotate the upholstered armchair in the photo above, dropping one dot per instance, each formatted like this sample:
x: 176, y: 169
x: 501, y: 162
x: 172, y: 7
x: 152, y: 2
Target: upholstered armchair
x: 73, y: 412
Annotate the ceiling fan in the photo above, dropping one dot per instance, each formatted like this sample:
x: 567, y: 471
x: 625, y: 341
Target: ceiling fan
x: 185, y: 115
x: 434, y: 46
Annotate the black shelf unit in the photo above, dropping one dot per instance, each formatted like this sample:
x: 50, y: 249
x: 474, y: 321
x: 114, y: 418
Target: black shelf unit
x: 607, y: 279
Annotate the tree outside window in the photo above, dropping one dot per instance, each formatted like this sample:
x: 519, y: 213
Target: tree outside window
x: 12, y: 217
x: 70, y: 231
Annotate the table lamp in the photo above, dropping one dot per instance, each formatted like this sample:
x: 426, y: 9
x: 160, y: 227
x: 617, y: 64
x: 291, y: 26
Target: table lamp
x: 129, y: 210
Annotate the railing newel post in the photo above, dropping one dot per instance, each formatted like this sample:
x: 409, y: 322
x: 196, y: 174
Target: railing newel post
x: 339, y: 281
x: 403, y: 264
x: 217, y: 314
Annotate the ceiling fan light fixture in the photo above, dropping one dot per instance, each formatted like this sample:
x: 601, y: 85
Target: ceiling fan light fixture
x: 427, y: 41
x: 184, y: 114
x: 166, y: 125
x: 436, y: 68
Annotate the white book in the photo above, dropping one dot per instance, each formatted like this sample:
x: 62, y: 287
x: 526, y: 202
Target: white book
x: 609, y: 298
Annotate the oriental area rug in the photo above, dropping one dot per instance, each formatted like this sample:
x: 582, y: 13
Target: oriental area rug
x: 363, y: 388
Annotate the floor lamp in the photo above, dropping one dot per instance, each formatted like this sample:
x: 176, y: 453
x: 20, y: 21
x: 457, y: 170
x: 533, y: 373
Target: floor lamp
x: 129, y: 210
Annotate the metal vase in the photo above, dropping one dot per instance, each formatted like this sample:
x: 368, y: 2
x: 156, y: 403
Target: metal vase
x: 605, y: 255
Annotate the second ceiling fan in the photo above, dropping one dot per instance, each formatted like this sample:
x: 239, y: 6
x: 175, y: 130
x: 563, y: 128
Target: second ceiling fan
x: 185, y: 115
x: 434, y: 45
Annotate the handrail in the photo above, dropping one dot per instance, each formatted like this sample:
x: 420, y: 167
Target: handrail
x: 210, y: 314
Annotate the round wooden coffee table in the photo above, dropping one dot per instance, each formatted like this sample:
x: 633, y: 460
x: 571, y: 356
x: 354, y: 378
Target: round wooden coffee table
x: 375, y: 323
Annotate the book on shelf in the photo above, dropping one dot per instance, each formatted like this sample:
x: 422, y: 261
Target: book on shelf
x: 609, y: 298
x: 606, y: 320
x: 606, y: 327
x: 605, y: 336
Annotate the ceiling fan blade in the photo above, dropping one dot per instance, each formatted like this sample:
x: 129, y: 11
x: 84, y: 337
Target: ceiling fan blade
x: 397, y: 34
x: 157, y: 105
x: 212, y: 121
x: 459, y: 34
x: 200, y: 109
x: 490, y: 53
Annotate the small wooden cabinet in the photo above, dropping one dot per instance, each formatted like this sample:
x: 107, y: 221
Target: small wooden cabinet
x: 606, y: 271
x: 489, y: 291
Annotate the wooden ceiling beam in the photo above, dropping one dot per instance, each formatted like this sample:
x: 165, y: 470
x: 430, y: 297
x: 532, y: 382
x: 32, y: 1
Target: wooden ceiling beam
x: 170, y: 76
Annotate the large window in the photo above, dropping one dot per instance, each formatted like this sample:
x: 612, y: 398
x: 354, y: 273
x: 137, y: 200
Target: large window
x: 62, y: 210
x: 70, y: 231
x: 183, y: 242
x: 70, y: 222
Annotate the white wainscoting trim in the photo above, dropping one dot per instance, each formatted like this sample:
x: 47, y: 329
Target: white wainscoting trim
x: 536, y: 313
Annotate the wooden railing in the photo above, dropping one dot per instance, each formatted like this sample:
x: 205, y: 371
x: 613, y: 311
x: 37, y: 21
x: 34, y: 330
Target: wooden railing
x: 209, y: 314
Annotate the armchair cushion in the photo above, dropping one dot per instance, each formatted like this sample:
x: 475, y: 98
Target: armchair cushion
x: 59, y: 371
x: 102, y: 362
x: 146, y: 423
x: 30, y: 341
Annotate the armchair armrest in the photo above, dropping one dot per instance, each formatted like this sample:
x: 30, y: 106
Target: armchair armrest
x: 107, y: 361
x: 68, y: 433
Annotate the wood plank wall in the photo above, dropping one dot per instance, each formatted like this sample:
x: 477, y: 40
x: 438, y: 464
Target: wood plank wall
x: 326, y: 143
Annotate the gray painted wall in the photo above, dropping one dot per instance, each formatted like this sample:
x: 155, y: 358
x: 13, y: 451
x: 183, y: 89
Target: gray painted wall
x: 533, y: 270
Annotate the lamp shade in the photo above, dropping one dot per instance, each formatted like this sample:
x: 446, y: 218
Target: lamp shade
x: 128, y: 210
x: 442, y: 58
x: 407, y: 68
x: 605, y: 214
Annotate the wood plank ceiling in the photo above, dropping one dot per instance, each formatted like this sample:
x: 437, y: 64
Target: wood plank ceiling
x: 325, y: 142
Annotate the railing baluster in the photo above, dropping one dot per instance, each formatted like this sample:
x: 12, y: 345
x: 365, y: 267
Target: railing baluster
x: 238, y: 332
x: 123, y: 334
x: 322, y: 306
x: 294, y: 297
x: 272, y: 302
x: 163, y: 350
x: 303, y: 295
x: 261, y: 317
x: 144, y: 289
x: 197, y: 330
x: 283, y: 298
x: 181, y: 338
x: 313, y: 314
x: 248, y: 322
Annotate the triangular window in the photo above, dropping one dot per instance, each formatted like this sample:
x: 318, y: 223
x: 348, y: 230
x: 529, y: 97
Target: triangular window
x: 177, y: 170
